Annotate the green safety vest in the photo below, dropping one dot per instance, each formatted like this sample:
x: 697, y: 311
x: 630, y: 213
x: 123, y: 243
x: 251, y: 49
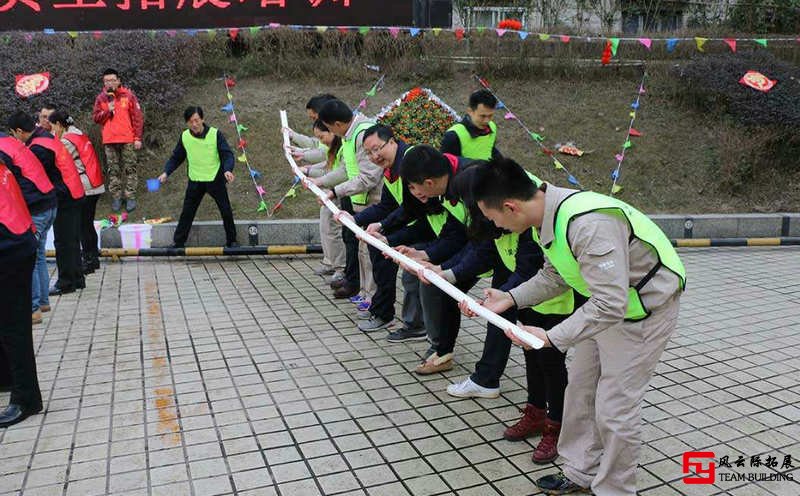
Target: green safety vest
x: 395, y: 188
x: 479, y: 148
x: 507, y: 246
x: 351, y: 162
x: 337, y: 161
x: 202, y: 155
x: 560, y: 254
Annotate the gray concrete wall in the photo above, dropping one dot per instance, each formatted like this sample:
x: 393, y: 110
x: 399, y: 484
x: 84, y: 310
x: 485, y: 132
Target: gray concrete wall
x: 306, y: 231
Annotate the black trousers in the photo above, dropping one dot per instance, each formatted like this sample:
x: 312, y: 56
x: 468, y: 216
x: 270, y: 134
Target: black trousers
x: 67, y: 233
x: 442, y: 312
x: 545, y: 368
x: 195, y: 190
x: 384, y: 272
x: 16, y: 335
x: 350, y: 241
x: 88, y: 234
x: 496, y: 346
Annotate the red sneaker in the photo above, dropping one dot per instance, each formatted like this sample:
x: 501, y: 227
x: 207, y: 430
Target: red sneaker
x: 531, y: 423
x: 547, y: 450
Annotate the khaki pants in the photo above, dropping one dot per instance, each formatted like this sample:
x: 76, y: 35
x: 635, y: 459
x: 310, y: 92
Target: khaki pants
x: 368, y: 285
x: 330, y: 235
x: 121, y: 162
x: 601, y: 432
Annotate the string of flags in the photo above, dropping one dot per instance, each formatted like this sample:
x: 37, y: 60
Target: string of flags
x: 372, y: 91
x: 535, y: 137
x: 291, y: 193
x: 230, y: 109
x: 627, y: 144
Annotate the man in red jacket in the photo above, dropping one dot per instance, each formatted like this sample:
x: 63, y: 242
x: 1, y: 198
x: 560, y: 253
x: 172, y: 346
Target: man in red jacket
x: 117, y: 110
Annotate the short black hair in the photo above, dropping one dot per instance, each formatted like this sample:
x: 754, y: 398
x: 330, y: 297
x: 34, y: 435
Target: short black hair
x: 385, y: 133
x: 110, y: 72
x: 484, y: 97
x: 49, y: 106
x: 318, y: 124
x: 318, y: 101
x: 60, y: 117
x: 424, y: 162
x: 21, y: 120
x: 191, y: 110
x: 335, y: 111
x: 501, y: 179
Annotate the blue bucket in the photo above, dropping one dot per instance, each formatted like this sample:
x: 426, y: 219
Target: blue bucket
x: 153, y: 185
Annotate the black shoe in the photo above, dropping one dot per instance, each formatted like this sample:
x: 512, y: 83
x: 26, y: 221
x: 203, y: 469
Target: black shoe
x: 345, y: 291
x: 559, y: 484
x: 175, y: 246
x: 406, y: 334
x: 14, y: 414
x: 58, y: 291
x: 116, y: 205
x: 130, y: 205
x: 81, y: 284
x: 232, y: 244
x: 338, y: 283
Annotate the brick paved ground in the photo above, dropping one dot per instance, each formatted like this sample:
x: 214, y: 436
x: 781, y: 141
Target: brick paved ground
x: 242, y: 377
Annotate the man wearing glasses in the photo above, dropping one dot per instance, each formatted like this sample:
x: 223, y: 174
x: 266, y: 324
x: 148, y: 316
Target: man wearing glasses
x: 117, y: 110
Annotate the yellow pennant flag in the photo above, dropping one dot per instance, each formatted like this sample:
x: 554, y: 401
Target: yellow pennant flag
x: 558, y: 164
x: 632, y: 114
x: 322, y: 29
x: 700, y: 42
x: 243, y: 158
x: 436, y: 31
x: 616, y: 189
x: 73, y: 34
x: 544, y: 37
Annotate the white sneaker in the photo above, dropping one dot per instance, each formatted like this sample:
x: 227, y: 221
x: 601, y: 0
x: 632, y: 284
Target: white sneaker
x: 468, y: 389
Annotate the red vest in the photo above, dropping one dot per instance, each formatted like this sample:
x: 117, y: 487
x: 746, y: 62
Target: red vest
x: 31, y: 168
x: 88, y: 157
x: 119, y: 127
x: 65, y: 164
x: 14, y: 214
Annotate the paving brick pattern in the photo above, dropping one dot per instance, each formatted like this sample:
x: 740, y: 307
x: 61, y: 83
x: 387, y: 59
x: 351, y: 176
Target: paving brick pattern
x: 223, y: 376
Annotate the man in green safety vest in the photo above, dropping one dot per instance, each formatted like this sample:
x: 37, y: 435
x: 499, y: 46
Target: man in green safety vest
x: 358, y: 184
x: 612, y: 254
x: 209, y: 167
x: 475, y: 136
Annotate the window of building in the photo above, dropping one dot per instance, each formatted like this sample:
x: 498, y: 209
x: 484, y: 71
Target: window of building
x: 489, y: 17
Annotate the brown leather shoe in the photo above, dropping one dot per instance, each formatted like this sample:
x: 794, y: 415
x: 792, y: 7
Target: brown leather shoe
x: 434, y: 364
x: 44, y: 308
x: 531, y: 423
x: 338, y: 283
x: 345, y: 292
x: 547, y: 450
x: 36, y: 317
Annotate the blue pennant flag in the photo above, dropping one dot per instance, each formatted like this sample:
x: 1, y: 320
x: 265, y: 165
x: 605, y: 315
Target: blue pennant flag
x: 671, y: 44
x: 500, y: 105
x: 615, y: 174
x: 414, y: 31
x: 523, y: 35
x: 191, y: 32
x: 49, y: 31
x: 228, y: 107
x: 635, y: 105
x: 254, y: 174
x: 571, y: 179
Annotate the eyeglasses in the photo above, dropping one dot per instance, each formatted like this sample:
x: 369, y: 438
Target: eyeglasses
x: 375, y: 151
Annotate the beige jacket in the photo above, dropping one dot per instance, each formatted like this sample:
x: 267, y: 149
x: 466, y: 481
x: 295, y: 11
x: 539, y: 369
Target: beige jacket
x: 369, y: 178
x: 312, y: 153
x: 609, y: 264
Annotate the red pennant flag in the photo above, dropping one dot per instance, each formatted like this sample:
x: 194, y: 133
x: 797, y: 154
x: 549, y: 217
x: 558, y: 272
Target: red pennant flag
x: 343, y: 29
x: 635, y: 133
x: 242, y: 143
x: 484, y: 82
x: 547, y: 152
x: 731, y: 43
x: 233, y: 32
x: 97, y: 35
x: 605, y: 59
x: 459, y: 33
x: 564, y: 38
x: 230, y: 82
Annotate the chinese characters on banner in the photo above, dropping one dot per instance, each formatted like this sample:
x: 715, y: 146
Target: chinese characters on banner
x: 37, y: 15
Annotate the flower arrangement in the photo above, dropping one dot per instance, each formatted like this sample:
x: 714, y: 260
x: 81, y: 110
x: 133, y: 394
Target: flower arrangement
x: 512, y: 24
x: 418, y: 117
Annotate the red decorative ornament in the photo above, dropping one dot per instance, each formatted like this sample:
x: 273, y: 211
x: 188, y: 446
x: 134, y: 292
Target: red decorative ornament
x: 459, y: 33
x: 757, y: 81
x: 512, y: 24
x: 31, y: 84
x: 605, y: 59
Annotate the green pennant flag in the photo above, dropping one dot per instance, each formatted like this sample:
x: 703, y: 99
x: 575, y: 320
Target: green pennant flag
x: 761, y: 41
x: 537, y: 137
x: 262, y: 206
x: 481, y: 29
x: 255, y: 30
x: 544, y: 37
x: 616, y: 189
x: 372, y: 91
x: 243, y: 158
x: 614, y: 45
x: 363, y: 29
x: 241, y: 128
x: 627, y: 144
x: 6, y: 39
x: 558, y: 164
x: 152, y: 34
x: 212, y: 33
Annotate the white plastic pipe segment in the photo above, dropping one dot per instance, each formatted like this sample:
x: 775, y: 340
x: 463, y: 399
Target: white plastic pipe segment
x: 399, y: 258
